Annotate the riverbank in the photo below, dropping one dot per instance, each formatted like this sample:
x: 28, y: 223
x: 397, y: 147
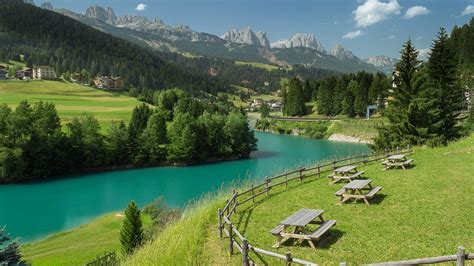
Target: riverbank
x: 342, y: 130
x: 126, y: 167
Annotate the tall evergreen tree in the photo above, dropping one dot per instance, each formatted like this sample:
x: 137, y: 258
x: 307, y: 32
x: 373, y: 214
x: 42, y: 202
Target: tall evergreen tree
x: 408, y: 108
x: 131, y: 235
x: 443, y: 83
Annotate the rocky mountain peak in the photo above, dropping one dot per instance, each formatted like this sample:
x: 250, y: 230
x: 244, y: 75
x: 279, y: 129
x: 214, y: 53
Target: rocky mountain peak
x: 380, y: 61
x: 47, y: 5
x: 307, y: 40
x: 100, y: 13
x: 342, y: 54
x: 247, y: 36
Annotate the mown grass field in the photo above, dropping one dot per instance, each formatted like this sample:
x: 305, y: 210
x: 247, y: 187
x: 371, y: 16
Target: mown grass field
x: 80, y: 245
x: 258, y: 65
x: 422, y: 212
x: 70, y: 99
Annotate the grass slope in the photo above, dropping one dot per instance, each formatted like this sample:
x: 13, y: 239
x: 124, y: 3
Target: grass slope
x: 78, y: 246
x: 70, y: 99
x: 423, y: 212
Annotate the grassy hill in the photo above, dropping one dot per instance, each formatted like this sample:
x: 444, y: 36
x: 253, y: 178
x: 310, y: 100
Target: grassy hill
x: 423, y: 212
x: 80, y: 245
x: 70, y: 99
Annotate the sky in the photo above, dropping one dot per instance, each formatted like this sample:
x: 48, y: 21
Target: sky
x: 366, y: 27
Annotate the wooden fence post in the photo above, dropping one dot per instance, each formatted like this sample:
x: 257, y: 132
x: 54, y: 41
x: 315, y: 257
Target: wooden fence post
x: 288, y: 258
x: 319, y: 170
x: 234, y: 196
x: 301, y: 175
x: 461, y: 256
x: 251, y: 192
x: 334, y: 164
x: 245, y: 247
x: 266, y: 185
x: 219, y: 222
x: 286, y: 181
x: 231, y: 240
x: 228, y: 206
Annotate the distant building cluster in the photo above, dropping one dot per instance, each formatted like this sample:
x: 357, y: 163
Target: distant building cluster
x: 39, y: 72
x: 3, y: 72
x: 274, y: 105
x: 110, y: 83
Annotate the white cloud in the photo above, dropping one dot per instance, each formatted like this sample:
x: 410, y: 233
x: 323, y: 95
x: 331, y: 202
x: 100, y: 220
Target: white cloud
x: 468, y: 10
x: 416, y: 11
x: 353, y: 34
x: 424, y: 54
x: 374, y: 11
x: 141, y: 7
x: 390, y: 37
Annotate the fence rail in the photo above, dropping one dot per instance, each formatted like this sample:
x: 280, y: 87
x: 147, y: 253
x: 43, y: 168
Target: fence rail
x: 238, y: 240
x: 108, y: 259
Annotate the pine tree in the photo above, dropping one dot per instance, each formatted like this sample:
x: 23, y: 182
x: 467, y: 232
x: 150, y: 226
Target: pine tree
x: 131, y: 235
x: 10, y: 254
x: 443, y: 83
x: 409, y: 109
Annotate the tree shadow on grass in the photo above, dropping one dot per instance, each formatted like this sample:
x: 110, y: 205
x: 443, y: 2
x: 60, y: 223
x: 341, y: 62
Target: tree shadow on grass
x: 376, y: 200
x: 244, y: 219
x: 325, y: 242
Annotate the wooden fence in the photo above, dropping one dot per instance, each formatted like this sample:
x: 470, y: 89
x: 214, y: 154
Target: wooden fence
x: 109, y: 259
x: 255, y: 192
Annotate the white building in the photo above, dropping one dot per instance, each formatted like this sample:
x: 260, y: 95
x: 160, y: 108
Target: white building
x: 44, y: 72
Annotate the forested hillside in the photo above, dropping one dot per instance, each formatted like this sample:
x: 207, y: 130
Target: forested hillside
x: 45, y: 37
x: 462, y: 42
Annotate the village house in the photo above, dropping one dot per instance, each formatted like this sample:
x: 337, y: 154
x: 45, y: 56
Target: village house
x: 110, y: 83
x: 24, y: 74
x: 44, y: 72
x: 3, y: 72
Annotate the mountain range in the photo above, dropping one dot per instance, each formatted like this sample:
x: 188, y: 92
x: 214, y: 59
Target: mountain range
x: 239, y: 45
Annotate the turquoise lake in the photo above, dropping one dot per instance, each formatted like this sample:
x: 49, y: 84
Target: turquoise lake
x: 34, y: 210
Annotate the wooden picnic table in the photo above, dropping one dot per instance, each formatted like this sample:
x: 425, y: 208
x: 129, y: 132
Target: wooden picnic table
x: 348, y: 172
x: 397, y: 160
x: 295, y: 227
x: 358, y: 189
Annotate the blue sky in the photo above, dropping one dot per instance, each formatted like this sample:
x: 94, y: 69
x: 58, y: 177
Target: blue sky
x: 370, y: 27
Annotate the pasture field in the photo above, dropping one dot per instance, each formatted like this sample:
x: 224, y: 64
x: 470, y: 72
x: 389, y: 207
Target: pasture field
x: 70, y: 99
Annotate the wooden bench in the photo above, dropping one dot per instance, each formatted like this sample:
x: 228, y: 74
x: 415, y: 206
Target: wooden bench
x: 331, y: 175
x: 322, y: 229
x: 353, y: 176
x: 277, y: 230
x: 340, y: 192
x: 408, y: 162
x: 372, y: 192
x: 384, y: 162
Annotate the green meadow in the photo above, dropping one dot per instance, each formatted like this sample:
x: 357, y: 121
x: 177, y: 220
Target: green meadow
x: 70, y: 99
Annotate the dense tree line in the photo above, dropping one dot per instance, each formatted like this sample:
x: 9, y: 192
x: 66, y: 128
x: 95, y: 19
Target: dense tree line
x: 348, y: 94
x: 181, y: 129
x: 259, y: 79
x: 426, y: 100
